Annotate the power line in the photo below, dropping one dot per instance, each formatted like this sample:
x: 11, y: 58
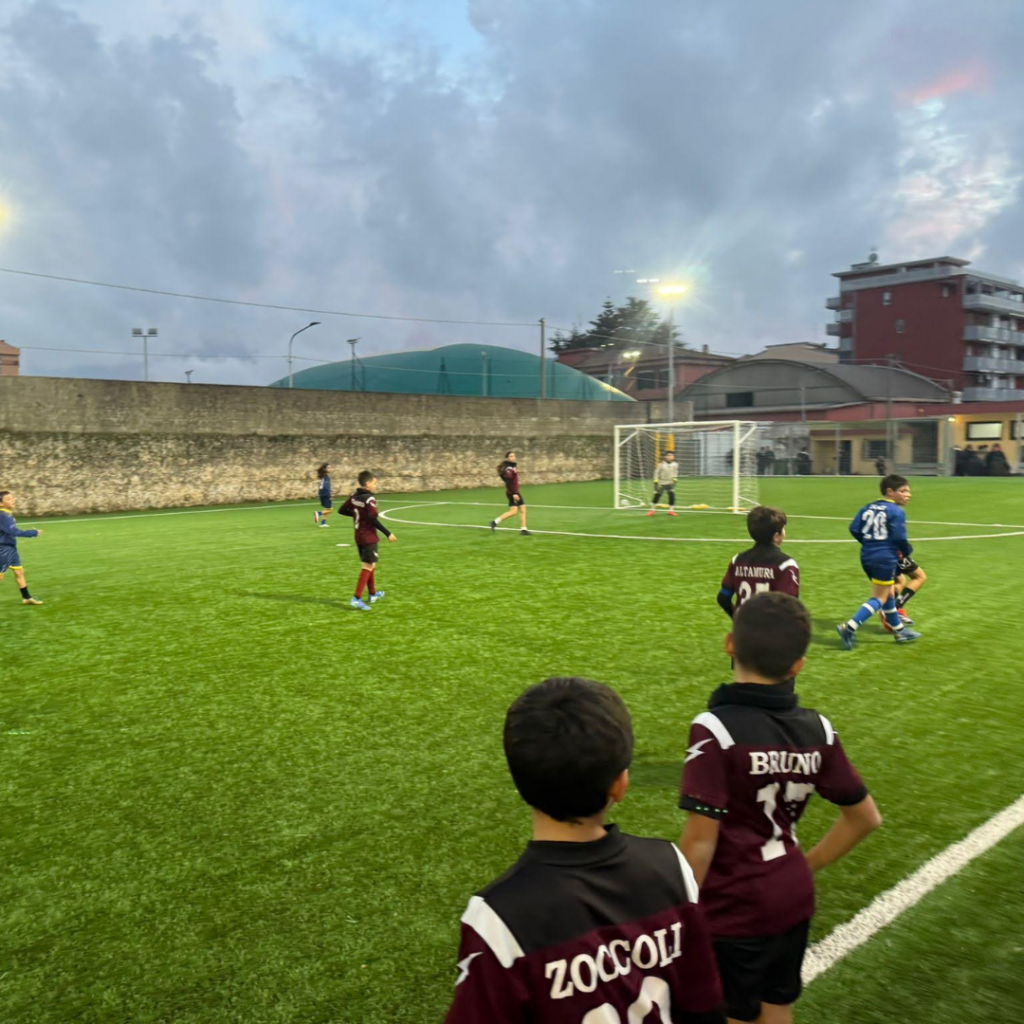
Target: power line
x: 261, y: 305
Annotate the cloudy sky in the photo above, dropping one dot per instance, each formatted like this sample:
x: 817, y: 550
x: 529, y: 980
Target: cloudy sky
x: 494, y: 160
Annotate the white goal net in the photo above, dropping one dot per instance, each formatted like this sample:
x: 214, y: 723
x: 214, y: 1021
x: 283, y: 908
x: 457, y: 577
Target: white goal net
x: 717, y: 464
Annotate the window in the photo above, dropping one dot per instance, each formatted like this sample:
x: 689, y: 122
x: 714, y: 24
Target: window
x: 988, y: 431
x: 886, y: 298
x: 873, y: 448
x: 947, y: 290
x: 648, y: 380
x: 901, y: 326
x: 1017, y: 430
x: 739, y: 400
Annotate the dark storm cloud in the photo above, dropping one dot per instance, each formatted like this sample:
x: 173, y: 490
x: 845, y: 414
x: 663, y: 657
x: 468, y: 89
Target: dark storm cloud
x: 755, y: 148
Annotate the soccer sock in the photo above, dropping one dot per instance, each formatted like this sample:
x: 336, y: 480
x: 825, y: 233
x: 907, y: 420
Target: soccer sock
x: 371, y: 583
x: 24, y: 593
x: 364, y: 578
x: 904, y: 596
x: 864, y: 612
x: 892, y: 616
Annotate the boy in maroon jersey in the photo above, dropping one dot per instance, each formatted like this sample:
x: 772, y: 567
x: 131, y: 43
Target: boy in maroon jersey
x: 509, y: 473
x: 755, y: 757
x: 362, y: 507
x: 763, y: 568
x: 590, y: 925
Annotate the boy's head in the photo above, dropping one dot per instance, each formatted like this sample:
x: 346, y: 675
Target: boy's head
x: 767, y: 525
x: 510, y: 457
x: 6, y: 499
x: 895, y: 488
x: 368, y: 480
x: 669, y: 456
x: 568, y: 743
x: 770, y: 635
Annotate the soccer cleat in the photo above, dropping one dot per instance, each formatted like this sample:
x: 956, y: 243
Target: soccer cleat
x: 651, y: 513
x: 31, y: 600
x: 671, y: 513
x: 846, y: 635
x: 525, y: 533
x: 904, y: 636
x: 316, y: 518
x: 324, y: 526
x: 374, y: 598
x: 494, y: 525
x: 907, y: 620
x: 361, y: 605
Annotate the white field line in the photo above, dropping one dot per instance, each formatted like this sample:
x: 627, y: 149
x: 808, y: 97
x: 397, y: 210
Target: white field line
x: 884, y: 909
x: 390, y: 516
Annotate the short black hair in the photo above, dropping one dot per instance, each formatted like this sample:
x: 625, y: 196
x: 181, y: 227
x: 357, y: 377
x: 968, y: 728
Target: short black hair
x: 566, y: 741
x: 763, y: 522
x: 892, y: 482
x: 3, y: 494
x: 366, y: 476
x: 511, y: 451
x: 769, y: 633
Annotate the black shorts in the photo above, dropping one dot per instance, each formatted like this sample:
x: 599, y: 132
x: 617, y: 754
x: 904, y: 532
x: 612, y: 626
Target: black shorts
x: 762, y: 970
x: 368, y: 553
x: 514, y: 501
x: 907, y: 566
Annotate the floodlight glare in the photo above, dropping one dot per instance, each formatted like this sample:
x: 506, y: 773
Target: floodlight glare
x: 669, y: 290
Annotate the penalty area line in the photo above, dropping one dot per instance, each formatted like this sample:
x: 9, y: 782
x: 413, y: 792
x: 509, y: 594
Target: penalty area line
x: 887, y: 907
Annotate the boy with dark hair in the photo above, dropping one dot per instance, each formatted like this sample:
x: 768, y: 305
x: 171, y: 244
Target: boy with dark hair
x: 590, y: 924
x: 755, y: 757
x: 324, y: 494
x: 880, y: 528
x: 764, y: 567
x: 508, y: 472
x: 665, y: 475
x: 362, y: 507
x: 9, y: 557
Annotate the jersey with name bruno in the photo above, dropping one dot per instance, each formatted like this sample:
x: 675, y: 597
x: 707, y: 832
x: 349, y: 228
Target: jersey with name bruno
x: 755, y: 757
x: 759, y: 569
x: 362, y: 507
x: 603, y: 931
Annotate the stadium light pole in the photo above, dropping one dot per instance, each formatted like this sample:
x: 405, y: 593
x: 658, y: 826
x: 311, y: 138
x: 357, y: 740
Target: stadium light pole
x: 352, y: 342
x: 138, y: 332
x: 672, y: 291
x: 291, y: 375
x: 543, y: 375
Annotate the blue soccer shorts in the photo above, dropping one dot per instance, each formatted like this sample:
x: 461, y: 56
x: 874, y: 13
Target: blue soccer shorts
x: 9, y: 559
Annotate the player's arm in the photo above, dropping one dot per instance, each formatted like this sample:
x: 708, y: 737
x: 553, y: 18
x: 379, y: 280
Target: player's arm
x: 11, y: 532
x: 855, y: 823
x: 699, y: 842
x: 725, y: 601
x: 486, y: 992
x: 374, y: 519
x: 347, y: 510
x: 898, y: 534
x: 855, y: 528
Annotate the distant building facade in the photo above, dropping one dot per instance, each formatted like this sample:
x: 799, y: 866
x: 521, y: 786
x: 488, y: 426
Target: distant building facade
x: 937, y: 318
x: 10, y: 360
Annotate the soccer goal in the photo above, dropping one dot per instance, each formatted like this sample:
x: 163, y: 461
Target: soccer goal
x: 717, y: 463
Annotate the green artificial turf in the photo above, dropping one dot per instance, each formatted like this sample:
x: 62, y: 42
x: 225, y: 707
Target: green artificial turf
x: 225, y: 796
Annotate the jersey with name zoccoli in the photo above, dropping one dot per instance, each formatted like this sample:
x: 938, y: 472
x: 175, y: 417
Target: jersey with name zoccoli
x: 605, y: 931
x: 754, y: 760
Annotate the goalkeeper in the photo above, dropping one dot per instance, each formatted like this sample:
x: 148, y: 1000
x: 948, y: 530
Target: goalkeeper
x: 665, y: 477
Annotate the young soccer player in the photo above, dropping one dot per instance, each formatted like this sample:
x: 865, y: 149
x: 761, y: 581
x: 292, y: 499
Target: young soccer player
x: 590, y: 925
x: 665, y: 476
x: 880, y: 528
x: 362, y: 507
x: 324, y: 493
x: 755, y: 757
x: 9, y: 557
x: 509, y: 473
x: 764, y: 567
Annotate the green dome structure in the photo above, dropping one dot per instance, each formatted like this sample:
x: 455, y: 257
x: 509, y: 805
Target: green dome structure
x: 487, y: 371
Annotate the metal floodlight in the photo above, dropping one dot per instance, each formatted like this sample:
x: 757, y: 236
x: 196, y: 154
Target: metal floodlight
x: 136, y: 332
x: 152, y: 332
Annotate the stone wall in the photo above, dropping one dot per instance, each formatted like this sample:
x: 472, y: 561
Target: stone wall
x: 70, y: 446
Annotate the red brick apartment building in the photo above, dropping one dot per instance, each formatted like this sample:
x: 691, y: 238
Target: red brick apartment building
x: 937, y: 318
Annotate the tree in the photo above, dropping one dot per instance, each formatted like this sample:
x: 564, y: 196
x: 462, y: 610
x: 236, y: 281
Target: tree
x: 634, y: 323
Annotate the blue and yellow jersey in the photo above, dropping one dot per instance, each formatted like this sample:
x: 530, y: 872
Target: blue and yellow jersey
x: 9, y: 532
x: 881, y: 529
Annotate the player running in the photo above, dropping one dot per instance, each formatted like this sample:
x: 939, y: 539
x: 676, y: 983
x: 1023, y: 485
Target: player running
x: 362, y: 507
x: 910, y: 580
x: 9, y: 557
x: 764, y: 567
x: 881, y: 530
x: 665, y: 476
x: 755, y: 757
x: 509, y: 473
x: 590, y: 925
x: 324, y: 493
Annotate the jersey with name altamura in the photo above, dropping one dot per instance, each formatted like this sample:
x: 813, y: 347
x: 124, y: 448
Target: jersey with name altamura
x: 761, y: 569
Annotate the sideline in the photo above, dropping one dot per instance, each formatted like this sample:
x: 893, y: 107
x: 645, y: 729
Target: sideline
x: 887, y: 907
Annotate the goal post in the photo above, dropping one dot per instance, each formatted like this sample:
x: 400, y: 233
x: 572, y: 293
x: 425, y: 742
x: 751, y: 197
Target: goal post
x: 717, y: 462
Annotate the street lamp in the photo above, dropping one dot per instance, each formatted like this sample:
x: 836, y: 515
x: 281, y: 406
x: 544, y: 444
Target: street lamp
x: 188, y: 376
x: 353, y: 342
x: 291, y: 376
x: 137, y: 332
x: 672, y: 291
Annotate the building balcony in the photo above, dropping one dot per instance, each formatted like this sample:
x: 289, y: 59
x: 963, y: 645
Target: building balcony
x: 990, y: 364
x: 996, y: 303
x: 993, y: 394
x: 997, y: 334
x: 834, y: 302
x: 832, y: 330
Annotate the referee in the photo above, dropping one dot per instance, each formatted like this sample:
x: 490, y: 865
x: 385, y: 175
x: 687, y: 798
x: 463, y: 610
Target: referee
x: 665, y: 477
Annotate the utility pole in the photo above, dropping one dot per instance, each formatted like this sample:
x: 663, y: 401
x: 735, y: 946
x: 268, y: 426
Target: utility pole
x: 671, y: 365
x: 352, y: 362
x: 543, y: 365
x: 188, y: 376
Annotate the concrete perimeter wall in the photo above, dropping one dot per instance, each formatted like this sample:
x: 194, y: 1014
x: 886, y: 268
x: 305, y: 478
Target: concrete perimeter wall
x: 71, y: 446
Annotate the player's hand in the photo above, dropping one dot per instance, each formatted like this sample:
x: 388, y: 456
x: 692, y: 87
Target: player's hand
x: 39, y: 533
x: 516, y: 497
x: 392, y: 539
